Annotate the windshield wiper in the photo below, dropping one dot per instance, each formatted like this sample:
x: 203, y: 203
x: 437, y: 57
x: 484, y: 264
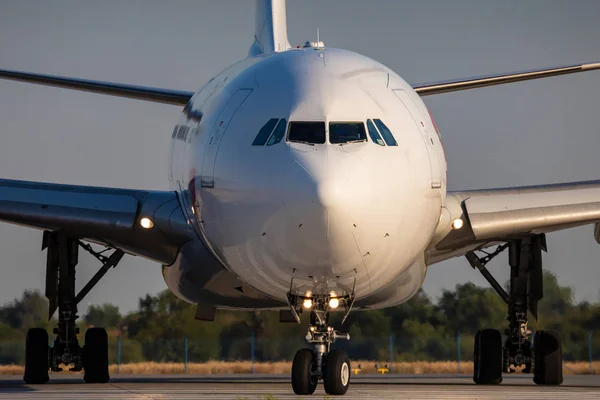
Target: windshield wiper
x: 353, y: 141
x: 302, y: 141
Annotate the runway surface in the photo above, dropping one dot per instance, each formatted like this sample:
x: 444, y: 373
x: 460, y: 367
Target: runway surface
x: 271, y: 387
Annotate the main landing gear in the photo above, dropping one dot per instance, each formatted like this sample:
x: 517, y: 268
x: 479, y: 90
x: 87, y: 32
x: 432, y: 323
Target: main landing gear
x: 60, y: 290
x: 543, y: 355
x: 321, y: 362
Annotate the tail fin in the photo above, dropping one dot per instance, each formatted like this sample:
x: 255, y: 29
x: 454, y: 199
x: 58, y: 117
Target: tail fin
x: 270, y: 32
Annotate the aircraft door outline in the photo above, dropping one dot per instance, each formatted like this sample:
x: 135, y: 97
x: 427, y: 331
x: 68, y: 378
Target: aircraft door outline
x: 217, y: 133
x: 413, y: 110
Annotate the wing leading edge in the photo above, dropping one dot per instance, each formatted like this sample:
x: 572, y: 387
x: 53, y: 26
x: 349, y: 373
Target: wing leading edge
x: 497, y: 215
x: 429, y: 89
x: 103, y: 215
x: 155, y: 95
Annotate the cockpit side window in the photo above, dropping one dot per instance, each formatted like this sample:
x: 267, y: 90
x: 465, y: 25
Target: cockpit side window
x: 278, y: 133
x: 375, y: 136
x: 386, y: 133
x: 264, y: 133
x: 307, y: 132
x: 347, y: 132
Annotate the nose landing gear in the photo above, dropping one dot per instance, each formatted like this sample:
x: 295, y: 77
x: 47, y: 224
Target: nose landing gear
x: 321, y: 362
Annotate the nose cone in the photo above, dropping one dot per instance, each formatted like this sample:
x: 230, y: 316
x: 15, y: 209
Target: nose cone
x: 333, y: 194
x: 323, y: 215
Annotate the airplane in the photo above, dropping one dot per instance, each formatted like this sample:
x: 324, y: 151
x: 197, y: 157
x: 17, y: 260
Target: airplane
x: 303, y: 179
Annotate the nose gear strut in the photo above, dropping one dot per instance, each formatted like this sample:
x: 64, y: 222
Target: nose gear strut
x: 321, y: 362
x: 322, y: 336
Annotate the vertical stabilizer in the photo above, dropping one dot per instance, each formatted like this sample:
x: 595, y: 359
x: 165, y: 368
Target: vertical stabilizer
x: 270, y: 32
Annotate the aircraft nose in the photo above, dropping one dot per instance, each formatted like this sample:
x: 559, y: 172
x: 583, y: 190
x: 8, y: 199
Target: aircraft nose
x: 331, y: 193
x: 321, y: 212
x: 326, y: 184
x: 336, y: 181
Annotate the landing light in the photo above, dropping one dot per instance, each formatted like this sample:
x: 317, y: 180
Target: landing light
x: 307, y: 303
x: 146, y: 223
x: 457, y: 223
x: 334, y: 303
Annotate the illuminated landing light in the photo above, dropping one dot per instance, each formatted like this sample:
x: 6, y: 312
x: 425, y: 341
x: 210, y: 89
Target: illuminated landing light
x: 146, y: 223
x: 334, y: 303
x: 307, y: 303
x: 457, y: 223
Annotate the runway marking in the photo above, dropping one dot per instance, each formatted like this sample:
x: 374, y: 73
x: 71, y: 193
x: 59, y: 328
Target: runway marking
x: 278, y: 387
x: 373, y: 392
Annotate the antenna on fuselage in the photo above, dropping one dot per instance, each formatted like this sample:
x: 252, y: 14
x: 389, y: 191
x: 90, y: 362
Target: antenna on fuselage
x: 318, y: 44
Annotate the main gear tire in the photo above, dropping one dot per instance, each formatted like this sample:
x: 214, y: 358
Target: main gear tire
x: 488, y: 357
x: 36, y: 357
x: 95, y: 356
x: 547, y: 349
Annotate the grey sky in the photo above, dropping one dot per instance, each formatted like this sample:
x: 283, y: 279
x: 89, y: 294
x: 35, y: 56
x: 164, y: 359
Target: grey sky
x: 537, y: 132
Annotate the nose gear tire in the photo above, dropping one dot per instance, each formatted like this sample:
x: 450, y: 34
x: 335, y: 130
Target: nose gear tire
x: 547, y: 358
x: 336, y: 378
x: 96, y: 356
x: 36, y: 357
x: 488, y: 357
x: 303, y: 382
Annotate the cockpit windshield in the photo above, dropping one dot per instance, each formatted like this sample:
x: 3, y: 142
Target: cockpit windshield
x: 307, y: 132
x: 347, y: 132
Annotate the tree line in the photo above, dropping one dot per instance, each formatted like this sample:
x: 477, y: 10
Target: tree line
x: 163, y: 328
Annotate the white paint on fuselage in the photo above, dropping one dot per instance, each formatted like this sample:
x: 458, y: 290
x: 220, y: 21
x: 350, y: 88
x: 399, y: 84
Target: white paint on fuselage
x: 320, y: 213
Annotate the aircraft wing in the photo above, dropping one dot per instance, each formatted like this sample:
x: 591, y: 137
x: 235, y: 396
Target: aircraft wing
x: 456, y: 85
x: 146, y: 93
x: 495, y: 216
x: 107, y: 216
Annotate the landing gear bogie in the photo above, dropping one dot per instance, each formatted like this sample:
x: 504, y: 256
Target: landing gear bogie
x: 543, y: 357
x: 515, y: 358
x: 62, y: 258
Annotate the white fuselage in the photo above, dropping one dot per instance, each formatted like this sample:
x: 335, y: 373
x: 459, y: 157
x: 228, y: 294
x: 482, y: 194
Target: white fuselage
x: 327, y: 215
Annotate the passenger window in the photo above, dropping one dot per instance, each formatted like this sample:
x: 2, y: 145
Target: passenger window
x: 347, y: 132
x: 278, y: 133
x: 385, y: 132
x: 307, y: 132
x: 375, y: 136
x: 264, y: 132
